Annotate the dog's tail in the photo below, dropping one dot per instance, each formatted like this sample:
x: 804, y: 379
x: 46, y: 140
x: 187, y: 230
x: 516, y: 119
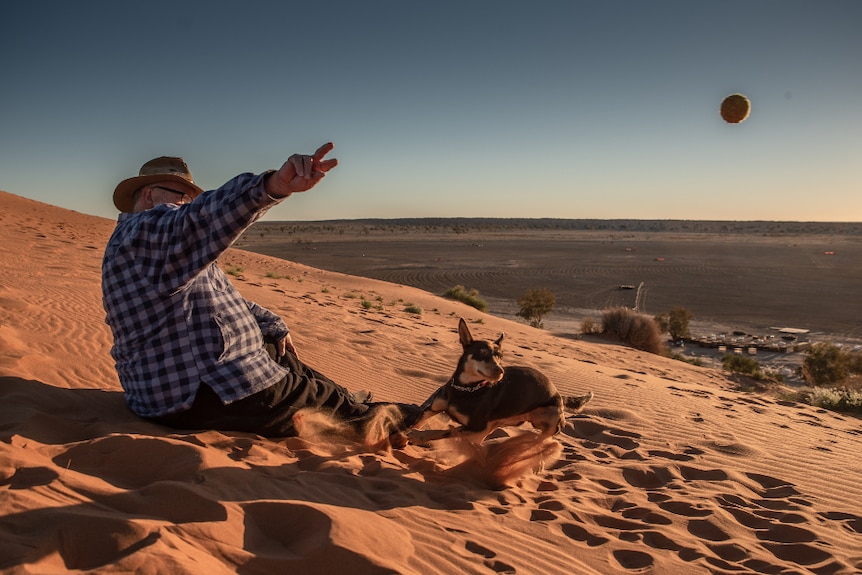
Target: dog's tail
x: 575, y: 403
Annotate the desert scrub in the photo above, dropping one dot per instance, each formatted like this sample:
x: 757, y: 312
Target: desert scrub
x: 471, y: 297
x: 366, y: 304
x: 750, y: 368
x: 277, y: 276
x: 536, y: 304
x: 588, y: 326
x: 836, y: 399
x: 690, y: 360
x: 234, y: 271
x: 635, y: 329
x: 827, y: 364
x: 410, y: 308
x: 741, y: 364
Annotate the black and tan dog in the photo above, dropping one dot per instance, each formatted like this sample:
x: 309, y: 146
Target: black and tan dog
x: 482, y: 395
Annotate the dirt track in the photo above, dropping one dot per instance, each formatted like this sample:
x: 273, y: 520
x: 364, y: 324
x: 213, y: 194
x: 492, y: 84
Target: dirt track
x: 743, y: 281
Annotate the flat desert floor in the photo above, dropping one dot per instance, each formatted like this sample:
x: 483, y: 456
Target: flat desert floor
x: 753, y: 278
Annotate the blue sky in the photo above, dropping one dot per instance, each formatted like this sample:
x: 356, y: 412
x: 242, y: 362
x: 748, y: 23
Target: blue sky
x: 570, y: 109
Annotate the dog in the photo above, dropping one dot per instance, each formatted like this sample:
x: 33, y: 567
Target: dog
x: 482, y: 396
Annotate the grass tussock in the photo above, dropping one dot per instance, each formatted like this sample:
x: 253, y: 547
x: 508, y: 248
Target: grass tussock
x: 470, y: 298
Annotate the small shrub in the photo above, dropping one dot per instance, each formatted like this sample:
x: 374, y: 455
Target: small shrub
x: 836, y: 399
x: 692, y: 360
x: 470, y: 298
x: 276, y: 276
x: 367, y: 304
x: 635, y: 329
x: 825, y: 364
x: 413, y: 309
x: 234, y: 271
x: 588, y: 326
x: 675, y: 323
x: 535, y: 304
x: 749, y: 367
x: 741, y: 364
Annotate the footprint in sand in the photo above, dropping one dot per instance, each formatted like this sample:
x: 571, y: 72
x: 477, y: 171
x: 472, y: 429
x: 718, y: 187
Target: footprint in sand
x: 707, y: 529
x: 685, y: 509
x: 669, y: 455
x: 579, y: 533
x: 647, y: 516
x: 495, y: 565
x: 27, y: 477
x: 478, y: 549
x: 852, y: 522
x: 600, y: 434
x: 633, y: 560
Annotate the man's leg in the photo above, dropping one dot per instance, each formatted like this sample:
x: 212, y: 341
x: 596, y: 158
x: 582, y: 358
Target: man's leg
x: 270, y: 412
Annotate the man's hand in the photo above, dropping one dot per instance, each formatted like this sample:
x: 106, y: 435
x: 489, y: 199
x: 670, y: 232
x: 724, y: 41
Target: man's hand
x: 283, y: 346
x: 300, y: 173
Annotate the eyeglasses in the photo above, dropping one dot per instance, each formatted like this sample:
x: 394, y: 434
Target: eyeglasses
x: 184, y: 197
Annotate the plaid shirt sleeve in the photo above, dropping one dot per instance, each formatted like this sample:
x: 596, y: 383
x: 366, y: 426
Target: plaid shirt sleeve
x: 271, y: 325
x: 176, y: 319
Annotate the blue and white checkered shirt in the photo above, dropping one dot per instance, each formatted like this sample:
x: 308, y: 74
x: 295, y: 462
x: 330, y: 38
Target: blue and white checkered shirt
x: 177, y: 320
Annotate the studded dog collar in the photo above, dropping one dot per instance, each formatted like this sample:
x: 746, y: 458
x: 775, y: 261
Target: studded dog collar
x: 468, y: 388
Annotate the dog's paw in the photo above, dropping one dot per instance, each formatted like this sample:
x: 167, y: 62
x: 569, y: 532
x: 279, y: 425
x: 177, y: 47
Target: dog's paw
x: 399, y: 440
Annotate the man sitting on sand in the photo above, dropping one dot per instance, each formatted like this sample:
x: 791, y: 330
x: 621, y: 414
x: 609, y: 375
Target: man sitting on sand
x: 190, y: 351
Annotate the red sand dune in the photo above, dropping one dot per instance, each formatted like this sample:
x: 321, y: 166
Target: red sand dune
x: 668, y: 470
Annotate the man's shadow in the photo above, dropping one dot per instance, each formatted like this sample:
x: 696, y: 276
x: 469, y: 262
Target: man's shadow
x: 142, y: 482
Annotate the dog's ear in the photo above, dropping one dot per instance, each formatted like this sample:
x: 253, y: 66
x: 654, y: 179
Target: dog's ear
x: 464, y: 333
x: 499, y: 340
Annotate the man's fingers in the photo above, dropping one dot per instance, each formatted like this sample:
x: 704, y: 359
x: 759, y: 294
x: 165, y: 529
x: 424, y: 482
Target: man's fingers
x: 323, y: 150
x: 301, y: 165
x: 302, y: 172
x: 295, y: 162
x: 327, y: 165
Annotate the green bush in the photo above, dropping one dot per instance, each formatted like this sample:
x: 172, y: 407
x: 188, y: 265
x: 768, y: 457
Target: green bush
x: 740, y: 364
x: 635, y: 329
x: 471, y: 297
x: 836, y: 399
x: 413, y: 309
x: 675, y: 323
x: 535, y: 304
x: 826, y: 364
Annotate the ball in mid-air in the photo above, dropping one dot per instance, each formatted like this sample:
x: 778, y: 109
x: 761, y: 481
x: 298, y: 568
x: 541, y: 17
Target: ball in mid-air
x: 735, y: 108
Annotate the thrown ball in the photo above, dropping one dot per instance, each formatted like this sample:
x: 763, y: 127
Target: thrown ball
x: 735, y: 108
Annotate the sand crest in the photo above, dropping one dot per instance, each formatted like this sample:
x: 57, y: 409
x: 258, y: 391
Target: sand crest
x: 667, y: 470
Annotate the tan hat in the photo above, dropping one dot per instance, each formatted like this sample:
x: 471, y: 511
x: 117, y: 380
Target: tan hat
x: 163, y: 169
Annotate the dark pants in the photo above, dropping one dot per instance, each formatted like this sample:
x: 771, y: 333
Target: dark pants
x: 270, y: 412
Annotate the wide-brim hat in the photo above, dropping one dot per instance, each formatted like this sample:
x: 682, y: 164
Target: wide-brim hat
x: 163, y: 169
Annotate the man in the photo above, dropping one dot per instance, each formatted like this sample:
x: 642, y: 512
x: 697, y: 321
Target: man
x: 190, y: 351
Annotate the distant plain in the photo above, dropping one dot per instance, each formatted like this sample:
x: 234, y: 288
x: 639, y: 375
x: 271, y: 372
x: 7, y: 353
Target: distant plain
x: 749, y: 276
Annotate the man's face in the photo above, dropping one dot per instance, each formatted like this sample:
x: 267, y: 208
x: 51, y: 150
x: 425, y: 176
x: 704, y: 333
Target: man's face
x: 171, y: 192
x: 165, y: 192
